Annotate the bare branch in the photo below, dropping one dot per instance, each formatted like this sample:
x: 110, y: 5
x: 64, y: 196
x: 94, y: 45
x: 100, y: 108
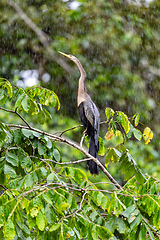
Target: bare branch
x: 44, y: 160
x: 43, y: 37
x: 70, y: 129
x: 68, y: 142
x: 62, y: 163
x: 3, y: 187
x: 79, y: 209
x: 61, y: 133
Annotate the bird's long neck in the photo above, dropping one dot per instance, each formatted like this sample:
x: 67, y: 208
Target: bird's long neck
x: 81, y: 87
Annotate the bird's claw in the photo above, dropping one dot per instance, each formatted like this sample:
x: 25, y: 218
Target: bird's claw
x: 84, y: 134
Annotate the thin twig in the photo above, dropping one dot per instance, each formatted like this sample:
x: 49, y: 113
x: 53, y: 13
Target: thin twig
x: 62, y: 163
x: 15, y: 112
x: 3, y: 187
x: 45, y: 163
x: 61, y: 133
x: 70, y: 129
x: 97, y: 183
x: 79, y: 209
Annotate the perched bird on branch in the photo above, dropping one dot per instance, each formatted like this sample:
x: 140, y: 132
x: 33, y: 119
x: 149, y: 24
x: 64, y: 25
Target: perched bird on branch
x: 89, y: 115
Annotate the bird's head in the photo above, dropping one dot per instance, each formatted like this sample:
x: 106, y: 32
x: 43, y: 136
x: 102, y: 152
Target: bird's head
x: 71, y: 57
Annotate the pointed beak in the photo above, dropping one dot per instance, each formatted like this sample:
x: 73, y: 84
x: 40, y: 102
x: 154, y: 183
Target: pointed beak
x: 68, y: 56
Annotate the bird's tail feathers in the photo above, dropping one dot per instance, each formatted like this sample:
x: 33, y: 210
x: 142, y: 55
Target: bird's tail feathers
x: 93, y: 150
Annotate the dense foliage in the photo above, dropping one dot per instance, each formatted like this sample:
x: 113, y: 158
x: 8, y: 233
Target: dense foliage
x: 43, y: 198
x: 42, y: 195
x: 117, y: 43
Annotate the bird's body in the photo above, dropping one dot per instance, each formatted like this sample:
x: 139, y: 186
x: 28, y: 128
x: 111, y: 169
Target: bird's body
x: 89, y: 115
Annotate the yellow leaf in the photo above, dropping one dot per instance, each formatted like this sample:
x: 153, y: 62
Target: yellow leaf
x: 147, y: 135
x: 64, y: 206
x: 34, y: 211
x: 109, y: 134
x: 68, y: 235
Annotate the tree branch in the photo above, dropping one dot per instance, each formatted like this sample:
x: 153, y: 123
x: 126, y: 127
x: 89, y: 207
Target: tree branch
x: 7, y: 110
x: 62, y: 163
x: 60, y: 139
x: 61, y: 133
x: 43, y: 37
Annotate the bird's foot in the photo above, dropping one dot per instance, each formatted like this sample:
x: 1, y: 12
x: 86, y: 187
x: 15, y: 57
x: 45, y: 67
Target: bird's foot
x: 84, y: 134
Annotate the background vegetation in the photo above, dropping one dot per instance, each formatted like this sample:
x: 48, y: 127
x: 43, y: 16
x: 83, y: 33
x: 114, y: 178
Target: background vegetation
x: 117, y: 42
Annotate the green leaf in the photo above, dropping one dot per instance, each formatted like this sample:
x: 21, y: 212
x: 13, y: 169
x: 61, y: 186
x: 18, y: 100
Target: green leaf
x: 103, y: 232
x: 1, y: 217
x: 136, y: 121
x: 49, y: 142
x: 9, y: 171
x: 40, y: 220
x: 48, y: 98
x: 109, y: 113
x: 41, y: 148
x: 19, y: 100
x: 50, y: 177
x: 33, y: 108
x: 44, y: 171
x: 113, y: 155
x: 2, y: 94
x: 26, y: 103
x: 47, y: 198
x: 142, y: 233
x: 41, y: 117
x: 156, y: 217
x: 49, y: 213
x: 12, y: 158
x: 25, y: 161
x: 140, y: 176
x: 55, y: 227
x: 101, y: 151
x: 137, y: 134
x: 29, y: 180
x: 9, y: 230
x: 64, y: 206
x: 120, y: 225
x: 27, y: 133
x: 105, y: 202
x: 17, y: 136
x: 56, y: 155
x: 37, y: 134
x: 93, y: 232
x: 79, y: 175
x: 128, y: 211
x: 129, y: 167
x: 47, y: 113
x: 2, y: 159
x: 136, y: 222
x: 34, y: 211
x: 123, y: 119
x: 8, y: 86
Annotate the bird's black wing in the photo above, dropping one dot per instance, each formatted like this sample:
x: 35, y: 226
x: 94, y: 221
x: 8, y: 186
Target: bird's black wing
x: 90, y: 118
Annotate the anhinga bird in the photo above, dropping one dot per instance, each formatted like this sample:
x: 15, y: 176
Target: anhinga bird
x: 89, y: 115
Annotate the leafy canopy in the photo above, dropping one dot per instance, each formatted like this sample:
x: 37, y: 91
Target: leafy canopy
x: 44, y: 197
